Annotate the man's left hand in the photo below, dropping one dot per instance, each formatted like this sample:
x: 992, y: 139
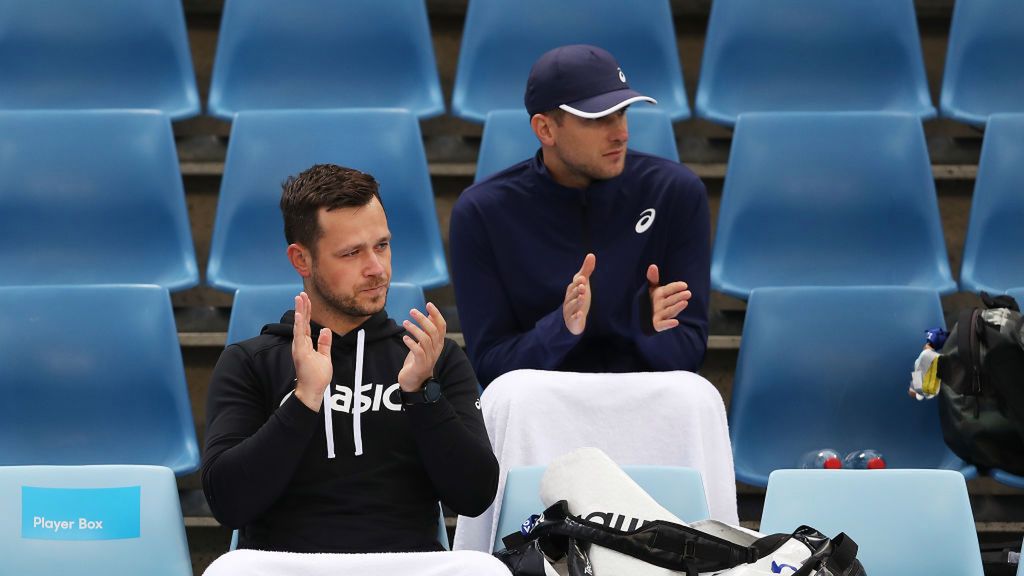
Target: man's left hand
x: 667, y: 301
x: 425, y: 342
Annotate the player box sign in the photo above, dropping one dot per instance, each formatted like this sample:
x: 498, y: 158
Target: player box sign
x: 80, y: 513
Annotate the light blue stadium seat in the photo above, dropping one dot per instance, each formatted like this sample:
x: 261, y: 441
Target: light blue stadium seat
x: 994, y: 250
x: 68, y: 54
x: 829, y: 368
x: 818, y: 199
x: 92, y: 197
x: 501, y: 40
x: 324, y: 54
x: 811, y: 55
x: 93, y: 375
x: 984, y: 69
x: 248, y: 244
x: 679, y: 490
x: 905, y: 522
x: 257, y: 306
x: 137, y: 502
x: 509, y: 139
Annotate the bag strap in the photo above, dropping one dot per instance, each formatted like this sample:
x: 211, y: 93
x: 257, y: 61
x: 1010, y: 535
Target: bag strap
x: 969, y: 347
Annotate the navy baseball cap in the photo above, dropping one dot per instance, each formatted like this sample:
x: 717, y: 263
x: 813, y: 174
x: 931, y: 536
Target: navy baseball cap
x: 583, y: 80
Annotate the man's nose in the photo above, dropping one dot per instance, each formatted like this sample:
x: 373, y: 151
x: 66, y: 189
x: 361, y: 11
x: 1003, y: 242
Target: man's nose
x: 374, y: 265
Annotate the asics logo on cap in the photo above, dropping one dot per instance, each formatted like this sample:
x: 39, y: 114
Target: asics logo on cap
x: 622, y: 76
x: 645, y: 221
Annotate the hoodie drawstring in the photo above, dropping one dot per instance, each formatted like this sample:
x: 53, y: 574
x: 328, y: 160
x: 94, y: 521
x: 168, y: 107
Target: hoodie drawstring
x: 357, y: 396
x: 328, y: 422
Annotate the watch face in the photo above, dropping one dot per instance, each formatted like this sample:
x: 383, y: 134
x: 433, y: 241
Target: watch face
x: 432, y: 391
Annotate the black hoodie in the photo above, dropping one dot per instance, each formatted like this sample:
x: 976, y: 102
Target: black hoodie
x: 266, y: 468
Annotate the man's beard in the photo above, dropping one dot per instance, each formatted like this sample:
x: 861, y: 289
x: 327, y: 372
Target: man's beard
x: 346, y: 305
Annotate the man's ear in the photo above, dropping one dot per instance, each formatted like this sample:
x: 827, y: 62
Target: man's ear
x: 542, y: 127
x: 301, y: 259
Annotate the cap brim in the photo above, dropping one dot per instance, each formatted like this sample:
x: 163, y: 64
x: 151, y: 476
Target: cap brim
x: 605, y: 104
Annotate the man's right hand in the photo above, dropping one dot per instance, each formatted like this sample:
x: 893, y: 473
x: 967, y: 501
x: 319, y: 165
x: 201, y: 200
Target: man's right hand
x: 313, y: 368
x: 577, y: 297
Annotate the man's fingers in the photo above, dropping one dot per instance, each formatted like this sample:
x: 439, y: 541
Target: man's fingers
x: 437, y: 318
x: 419, y: 355
x: 675, y: 309
x: 323, y: 343
x: 589, y: 263
x: 421, y: 337
x: 675, y: 298
x: 425, y: 324
x: 663, y: 325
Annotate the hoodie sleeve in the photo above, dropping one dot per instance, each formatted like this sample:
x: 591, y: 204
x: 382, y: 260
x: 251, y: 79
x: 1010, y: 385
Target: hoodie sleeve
x: 452, y: 440
x: 250, y: 455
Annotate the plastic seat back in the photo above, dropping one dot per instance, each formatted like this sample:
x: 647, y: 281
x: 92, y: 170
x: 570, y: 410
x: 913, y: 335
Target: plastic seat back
x: 993, y: 255
x: 984, y: 69
x: 829, y: 368
x: 818, y: 199
x: 93, y: 375
x: 324, y: 54
x: 248, y: 244
x: 811, y: 55
x: 509, y: 139
x: 67, y: 54
x: 132, y: 521
x: 907, y: 522
x: 679, y: 490
x: 257, y: 306
x: 501, y: 40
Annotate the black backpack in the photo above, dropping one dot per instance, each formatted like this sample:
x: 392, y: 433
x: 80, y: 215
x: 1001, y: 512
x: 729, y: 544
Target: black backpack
x: 981, y: 400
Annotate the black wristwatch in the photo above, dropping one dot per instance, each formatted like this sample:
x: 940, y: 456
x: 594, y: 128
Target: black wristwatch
x: 428, y: 394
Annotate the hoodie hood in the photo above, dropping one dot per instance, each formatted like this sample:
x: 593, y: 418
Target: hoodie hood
x: 377, y: 327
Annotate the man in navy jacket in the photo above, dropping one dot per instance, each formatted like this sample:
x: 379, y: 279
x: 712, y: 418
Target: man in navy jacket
x: 587, y: 257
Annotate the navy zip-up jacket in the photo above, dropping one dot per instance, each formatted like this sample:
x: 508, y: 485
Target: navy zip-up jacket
x: 518, y: 238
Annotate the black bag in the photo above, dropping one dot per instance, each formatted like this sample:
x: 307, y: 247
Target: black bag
x: 556, y: 534
x: 981, y: 400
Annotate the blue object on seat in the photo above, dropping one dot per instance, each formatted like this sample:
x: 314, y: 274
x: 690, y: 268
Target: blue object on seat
x: 248, y: 245
x: 818, y: 199
x: 257, y: 306
x: 1004, y: 477
x: 92, y: 197
x: 829, y: 368
x: 93, y: 375
x: 994, y: 251
x: 907, y: 522
x: 677, y: 489
x: 811, y: 55
x: 984, y: 69
x: 324, y: 54
x: 69, y: 54
x: 501, y: 40
x: 509, y: 139
x: 160, y: 549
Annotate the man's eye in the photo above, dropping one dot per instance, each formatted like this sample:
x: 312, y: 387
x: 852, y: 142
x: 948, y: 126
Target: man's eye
x: 383, y: 245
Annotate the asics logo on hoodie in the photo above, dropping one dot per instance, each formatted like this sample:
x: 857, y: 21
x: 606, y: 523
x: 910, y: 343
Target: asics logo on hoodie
x: 645, y: 221
x: 372, y: 398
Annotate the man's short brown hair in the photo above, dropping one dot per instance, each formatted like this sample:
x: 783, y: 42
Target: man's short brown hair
x: 322, y: 186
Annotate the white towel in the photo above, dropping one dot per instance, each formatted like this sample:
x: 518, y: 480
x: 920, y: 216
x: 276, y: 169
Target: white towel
x: 659, y: 418
x: 260, y: 563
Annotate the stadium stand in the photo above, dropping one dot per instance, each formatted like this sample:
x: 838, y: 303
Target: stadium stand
x: 141, y: 527
x: 66, y: 54
x: 984, y: 71
x: 324, y: 54
x: 508, y: 138
x: 75, y: 212
x: 93, y: 375
x: 829, y: 368
x: 912, y: 522
x: 501, y: 40
x: 994, y: 251
x: 811, y: 55
x: 803, y: 199
x: 248, y: 246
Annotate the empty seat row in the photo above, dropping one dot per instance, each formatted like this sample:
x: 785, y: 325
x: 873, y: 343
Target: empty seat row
x: 808, y: 55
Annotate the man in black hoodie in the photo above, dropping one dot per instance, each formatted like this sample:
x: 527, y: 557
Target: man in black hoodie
x: 347, y: 443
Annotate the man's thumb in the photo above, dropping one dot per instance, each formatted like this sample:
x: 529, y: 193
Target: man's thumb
x: 652, y: 275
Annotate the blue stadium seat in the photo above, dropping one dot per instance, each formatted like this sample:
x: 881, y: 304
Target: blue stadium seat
x: 811, y: 55
x: 93, y: 375
x: 257, y: 306
x: 508, y: 138
x: 142, y: 529
x: 679, y: 490
x: 248, y: 245
x: 324, y: 54
x: 92, y: 197
x: 907, y: 522
x: 68, y: 54
x: 984, y: 69
x: 819, y: 199
x: 994, y: 250
x: 829, y: 368
x: 501, y: 40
